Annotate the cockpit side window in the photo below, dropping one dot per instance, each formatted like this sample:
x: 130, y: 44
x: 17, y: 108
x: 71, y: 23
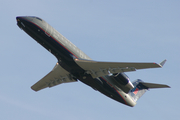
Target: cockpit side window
x: 39, y: 18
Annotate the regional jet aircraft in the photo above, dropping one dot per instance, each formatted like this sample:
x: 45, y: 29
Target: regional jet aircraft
x: 73, y: 65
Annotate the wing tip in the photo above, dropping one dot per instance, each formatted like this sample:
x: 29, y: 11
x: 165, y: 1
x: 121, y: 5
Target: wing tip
x: 167, y: 86
x: 35, y: 89
x: 162, y: 63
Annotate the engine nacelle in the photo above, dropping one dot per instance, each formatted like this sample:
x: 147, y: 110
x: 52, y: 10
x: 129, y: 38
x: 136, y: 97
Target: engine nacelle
x: 123, y: 79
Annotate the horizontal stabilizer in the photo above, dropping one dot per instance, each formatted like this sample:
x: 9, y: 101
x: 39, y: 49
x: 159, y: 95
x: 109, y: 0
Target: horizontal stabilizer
x: 153, y: 85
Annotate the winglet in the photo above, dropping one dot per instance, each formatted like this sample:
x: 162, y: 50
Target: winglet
x: 162, y: 63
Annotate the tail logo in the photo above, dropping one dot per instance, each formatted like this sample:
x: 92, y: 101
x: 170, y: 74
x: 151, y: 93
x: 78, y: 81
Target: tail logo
x: 136, y: 91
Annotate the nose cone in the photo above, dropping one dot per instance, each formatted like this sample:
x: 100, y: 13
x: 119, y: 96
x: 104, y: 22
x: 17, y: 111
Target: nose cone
x: 18, y: 19
x: 24, y: 21
x: 20, y: 22
x: 29, y: 22
x: 22, y: 18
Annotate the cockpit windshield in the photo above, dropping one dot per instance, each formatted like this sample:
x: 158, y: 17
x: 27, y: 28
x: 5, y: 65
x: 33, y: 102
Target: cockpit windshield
x: 37, y: 18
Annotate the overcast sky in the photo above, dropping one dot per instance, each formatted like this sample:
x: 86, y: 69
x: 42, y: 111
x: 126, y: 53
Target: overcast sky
x: 117, y: 31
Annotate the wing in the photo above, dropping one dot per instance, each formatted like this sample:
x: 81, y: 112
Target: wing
x: 98, y: 69
x: 57, y: 76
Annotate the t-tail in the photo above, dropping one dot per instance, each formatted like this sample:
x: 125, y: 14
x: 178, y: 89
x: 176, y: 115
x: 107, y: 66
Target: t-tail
x: 141, y: 87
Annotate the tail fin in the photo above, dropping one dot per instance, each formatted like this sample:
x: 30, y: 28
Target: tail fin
x: 141, y: 87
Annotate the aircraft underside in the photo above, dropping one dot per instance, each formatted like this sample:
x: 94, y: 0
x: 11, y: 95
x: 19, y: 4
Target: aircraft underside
x: 72, y: 65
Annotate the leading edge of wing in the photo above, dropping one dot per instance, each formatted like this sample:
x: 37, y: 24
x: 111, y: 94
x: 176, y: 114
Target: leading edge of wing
x: 98, y: 69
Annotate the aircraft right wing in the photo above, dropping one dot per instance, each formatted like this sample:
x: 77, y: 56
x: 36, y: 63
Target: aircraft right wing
x: 98, y: 69
x: 57, y: 76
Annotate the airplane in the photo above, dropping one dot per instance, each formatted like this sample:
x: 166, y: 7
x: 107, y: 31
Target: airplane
x: 73, y: 65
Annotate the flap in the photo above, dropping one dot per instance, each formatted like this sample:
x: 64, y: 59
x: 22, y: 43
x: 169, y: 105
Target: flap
x: 98, y: 69
x: 57, y: 76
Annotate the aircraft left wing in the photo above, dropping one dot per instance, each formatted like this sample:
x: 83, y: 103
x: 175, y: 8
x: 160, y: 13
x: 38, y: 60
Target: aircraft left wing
x: 57, y: 76
x: 98, y: 69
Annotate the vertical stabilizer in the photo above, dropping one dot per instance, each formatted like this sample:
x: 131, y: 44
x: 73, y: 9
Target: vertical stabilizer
x: 138, y: 90
x: 141, y: 87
